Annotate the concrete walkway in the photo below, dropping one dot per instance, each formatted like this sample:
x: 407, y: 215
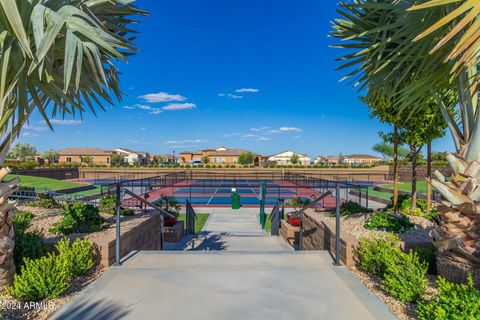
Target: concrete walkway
x: 233, y: 270
x: 231, y: 230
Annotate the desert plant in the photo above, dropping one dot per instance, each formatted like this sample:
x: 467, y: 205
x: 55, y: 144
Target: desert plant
x: 76, y: 256
x: 40, y: 278
x: 375, y: 254
x: 453, y: 302
x: 79, y: 217
x: 389, y: 222
x: 46, y: 201
x: 405, y: 278
x: 350, y: 207
x: 27, y: 244
x: 297, y: 203
x: 169, y: 204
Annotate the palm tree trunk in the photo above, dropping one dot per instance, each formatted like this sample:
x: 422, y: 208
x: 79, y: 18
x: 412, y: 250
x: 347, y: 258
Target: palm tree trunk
x: 429, y: 176
x: 7, y: 232
x: 395, y: 168
x: 414, y: 150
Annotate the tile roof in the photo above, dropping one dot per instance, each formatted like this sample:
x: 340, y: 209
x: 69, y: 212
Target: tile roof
x: 84, y: 152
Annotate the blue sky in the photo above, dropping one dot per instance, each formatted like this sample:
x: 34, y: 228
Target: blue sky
x: 253, y: 74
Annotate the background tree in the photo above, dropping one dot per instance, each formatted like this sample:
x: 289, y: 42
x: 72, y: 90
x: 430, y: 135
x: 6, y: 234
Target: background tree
x: 205, y: 159
x: 51, y: 155
x: 246, y: 158
x: 294, y: 158
x: 87, y: 160
x: 387, y: 150
x: 117, y: 160
x: 22, y: 152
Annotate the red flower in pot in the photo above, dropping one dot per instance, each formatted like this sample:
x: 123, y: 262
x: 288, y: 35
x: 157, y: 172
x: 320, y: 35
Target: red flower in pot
x: 296, y: 203
x: 170, y: 205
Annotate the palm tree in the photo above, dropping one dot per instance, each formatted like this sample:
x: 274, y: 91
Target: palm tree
x: 387, y: 54
x: 58, y: 57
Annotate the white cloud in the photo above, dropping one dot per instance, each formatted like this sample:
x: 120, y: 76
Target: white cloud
x: 180, y: 142
x: 251, y: 90
x: 285, y: 130
x: 162, y: 97
x: 148, y: 108
x: 259, y: 129
x: 255, y: 137
x: 143, y: 128
x: 179, y: 106
x: 229, y: 95
x: 64, y: 122
x: 128, y: 107
x: 29, y: 135
x: 35, y: 128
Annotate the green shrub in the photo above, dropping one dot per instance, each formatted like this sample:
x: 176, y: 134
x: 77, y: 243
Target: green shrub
x: 46, y: 201
x: 388, y: 222
x: 107, y: 204
x: 405, y: 204
x: 375, y: 254
x: 27, y: 244
x: 405, y: 279
x: 350, y: 207
x: 21, y: 221
x: 40, y: 278
x: 79, y: 217
x: 77, y: 256
x: 453, y: 302
x: 429, y: 256
x: 49, y: 276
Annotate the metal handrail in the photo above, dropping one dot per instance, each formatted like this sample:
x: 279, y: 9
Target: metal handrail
x: 275, y: 218
x: 162, y: 213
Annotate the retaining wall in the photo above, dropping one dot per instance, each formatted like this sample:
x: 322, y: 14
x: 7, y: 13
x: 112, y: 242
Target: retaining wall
x: 139, y: 234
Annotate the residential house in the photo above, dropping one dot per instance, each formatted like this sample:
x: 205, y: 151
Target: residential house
x: 85, y: 156
x: 163, y: 159
x: 218, y: 156
x: 354, y: 159
x: 285, y: 157
x: 132, y: 157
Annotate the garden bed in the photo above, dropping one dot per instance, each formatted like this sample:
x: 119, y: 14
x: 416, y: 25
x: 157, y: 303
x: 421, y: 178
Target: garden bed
x: 403, y: 310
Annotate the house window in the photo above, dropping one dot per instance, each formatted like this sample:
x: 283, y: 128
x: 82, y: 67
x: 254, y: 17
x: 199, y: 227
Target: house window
x: 235, y: 160
x: 215, y: 160
x: 69, y: 159
x: 223, y: 160
x: 108, y: 160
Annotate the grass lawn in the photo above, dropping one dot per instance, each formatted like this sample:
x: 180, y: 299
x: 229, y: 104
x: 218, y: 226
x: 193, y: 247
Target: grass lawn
x: 382, y: 195
x: 40, y: 183
x: 89, y: 192
x: 199, y: 223
x: 407, y: 186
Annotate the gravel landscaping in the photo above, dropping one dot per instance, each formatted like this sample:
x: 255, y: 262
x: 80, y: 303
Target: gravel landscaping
x: 354, y: 224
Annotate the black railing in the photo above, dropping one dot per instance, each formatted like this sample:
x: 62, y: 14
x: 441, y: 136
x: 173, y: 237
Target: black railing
x: 276, y: 217
x: 190, y: 218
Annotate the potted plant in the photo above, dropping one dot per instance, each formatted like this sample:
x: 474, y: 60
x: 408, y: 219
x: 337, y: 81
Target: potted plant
x: 296, y: 203
x: 170, y: 205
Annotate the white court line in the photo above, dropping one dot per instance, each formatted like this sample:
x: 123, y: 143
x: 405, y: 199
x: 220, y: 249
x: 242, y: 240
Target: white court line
x: 211, y: 198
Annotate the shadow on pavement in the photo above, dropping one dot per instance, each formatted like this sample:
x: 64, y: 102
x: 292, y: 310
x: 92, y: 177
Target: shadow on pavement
x: 99, y: 310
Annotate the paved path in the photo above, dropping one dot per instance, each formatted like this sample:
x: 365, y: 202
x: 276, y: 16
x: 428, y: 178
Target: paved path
x: 231, y: 230
x: 232, y: 271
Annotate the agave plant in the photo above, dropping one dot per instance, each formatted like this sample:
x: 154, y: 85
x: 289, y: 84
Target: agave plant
x: 388, y: 54
x: 57, y: 57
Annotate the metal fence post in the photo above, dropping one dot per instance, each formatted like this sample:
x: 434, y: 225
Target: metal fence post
x: 337, y: 226
x: 117, y: 239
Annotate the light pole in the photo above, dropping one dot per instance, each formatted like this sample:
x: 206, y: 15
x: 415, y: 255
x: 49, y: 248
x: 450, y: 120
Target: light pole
x: 174, y: 162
